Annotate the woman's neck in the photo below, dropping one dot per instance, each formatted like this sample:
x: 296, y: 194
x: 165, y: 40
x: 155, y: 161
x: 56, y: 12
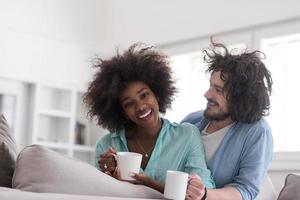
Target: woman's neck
x: 148, y: 132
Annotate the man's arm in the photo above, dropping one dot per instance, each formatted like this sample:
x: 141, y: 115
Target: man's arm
x: 256, y: 156
x: 195, y: 191
x: 226, y: 193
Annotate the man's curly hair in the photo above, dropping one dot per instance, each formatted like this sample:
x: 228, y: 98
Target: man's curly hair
x: 138, y: 63
x: 247, y: 81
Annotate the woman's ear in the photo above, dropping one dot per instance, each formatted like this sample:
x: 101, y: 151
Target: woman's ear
x: 125, y: 115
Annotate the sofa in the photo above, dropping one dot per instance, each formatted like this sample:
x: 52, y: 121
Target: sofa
x: 14, y: 194
x: 38, y: 173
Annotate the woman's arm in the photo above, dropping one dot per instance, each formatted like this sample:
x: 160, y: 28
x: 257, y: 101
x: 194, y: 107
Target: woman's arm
x: 143, y: 179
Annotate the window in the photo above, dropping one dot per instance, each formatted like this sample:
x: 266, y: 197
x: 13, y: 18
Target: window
x: 282, y: 59
x: 191, y: 82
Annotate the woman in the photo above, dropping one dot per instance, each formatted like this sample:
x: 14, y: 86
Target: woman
x: 127, y: 95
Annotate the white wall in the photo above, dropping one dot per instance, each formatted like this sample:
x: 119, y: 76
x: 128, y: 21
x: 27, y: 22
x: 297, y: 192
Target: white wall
x: 36, y: 35
x: 170, y: 21
x: 69, y: 21
x: 50, y: 41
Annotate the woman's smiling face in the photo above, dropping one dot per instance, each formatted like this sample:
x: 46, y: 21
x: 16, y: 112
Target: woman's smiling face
x: 140, y: 104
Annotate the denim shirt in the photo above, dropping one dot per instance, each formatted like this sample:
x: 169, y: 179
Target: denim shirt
x: 242, y: 157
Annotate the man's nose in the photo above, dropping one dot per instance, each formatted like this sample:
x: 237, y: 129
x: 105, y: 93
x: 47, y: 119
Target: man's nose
x: 208, y: 93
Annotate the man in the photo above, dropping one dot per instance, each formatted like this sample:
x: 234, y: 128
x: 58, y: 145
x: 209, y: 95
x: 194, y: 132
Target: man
x: 237, y: 139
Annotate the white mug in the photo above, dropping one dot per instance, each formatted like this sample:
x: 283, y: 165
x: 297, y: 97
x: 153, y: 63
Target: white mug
x: 128, y: 162
x: 176, y: 185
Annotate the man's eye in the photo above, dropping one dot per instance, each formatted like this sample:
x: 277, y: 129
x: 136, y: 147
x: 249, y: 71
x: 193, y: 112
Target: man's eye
x: 219, y: 90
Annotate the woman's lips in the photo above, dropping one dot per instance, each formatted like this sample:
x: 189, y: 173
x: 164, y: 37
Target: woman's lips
x: 145, y: 115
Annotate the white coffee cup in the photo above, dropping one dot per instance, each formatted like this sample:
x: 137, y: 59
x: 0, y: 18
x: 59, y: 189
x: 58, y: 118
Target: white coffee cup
x: 176, y: 185
x: 128, y: 163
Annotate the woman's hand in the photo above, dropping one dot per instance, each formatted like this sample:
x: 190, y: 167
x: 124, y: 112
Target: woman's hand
x: 107, y: 162
x: 196, y: 189
x: 143, y: 179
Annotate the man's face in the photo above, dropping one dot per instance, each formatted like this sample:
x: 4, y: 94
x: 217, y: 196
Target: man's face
x: 217, y: 104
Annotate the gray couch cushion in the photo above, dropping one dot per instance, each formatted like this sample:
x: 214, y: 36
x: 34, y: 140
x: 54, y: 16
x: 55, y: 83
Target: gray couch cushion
x: 13, y: 194
x: 8, y: 154
x: 291, y: 189
x: 39, y: 169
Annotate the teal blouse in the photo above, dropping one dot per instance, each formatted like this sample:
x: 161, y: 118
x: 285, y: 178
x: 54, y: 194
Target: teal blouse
x: 178, y: 147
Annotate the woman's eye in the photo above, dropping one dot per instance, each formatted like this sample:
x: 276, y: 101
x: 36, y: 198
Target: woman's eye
x: 143, y: 95
x: 126, y: 105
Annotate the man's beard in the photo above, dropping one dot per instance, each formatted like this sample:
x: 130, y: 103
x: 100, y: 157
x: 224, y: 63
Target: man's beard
x: 218, y: 116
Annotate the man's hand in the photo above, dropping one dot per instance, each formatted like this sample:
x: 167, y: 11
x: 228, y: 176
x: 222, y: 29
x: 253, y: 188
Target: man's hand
x: 196, y: 189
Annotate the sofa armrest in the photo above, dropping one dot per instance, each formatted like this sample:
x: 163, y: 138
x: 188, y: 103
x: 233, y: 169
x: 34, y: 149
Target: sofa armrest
x: 14, y: 194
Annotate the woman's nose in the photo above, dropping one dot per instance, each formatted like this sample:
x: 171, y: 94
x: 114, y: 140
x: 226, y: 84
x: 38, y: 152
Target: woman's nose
x: 140, y: 106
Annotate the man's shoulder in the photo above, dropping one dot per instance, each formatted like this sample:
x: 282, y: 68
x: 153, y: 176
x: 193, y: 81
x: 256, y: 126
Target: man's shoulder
x: 255, y: 130
x: 261, y: 124
x: 196, y: 118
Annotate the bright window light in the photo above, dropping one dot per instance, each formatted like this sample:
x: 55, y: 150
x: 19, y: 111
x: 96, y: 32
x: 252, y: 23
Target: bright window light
x: 191, y: 82
x: 282, y: 59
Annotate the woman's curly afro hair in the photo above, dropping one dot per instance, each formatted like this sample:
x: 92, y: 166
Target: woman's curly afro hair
x: 247, y: 81
x: 138, y: 63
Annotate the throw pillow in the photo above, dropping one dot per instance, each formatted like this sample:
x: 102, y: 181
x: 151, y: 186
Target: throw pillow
x: 291, y: 189
x: 39, y: 169
x: 8, y: 154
